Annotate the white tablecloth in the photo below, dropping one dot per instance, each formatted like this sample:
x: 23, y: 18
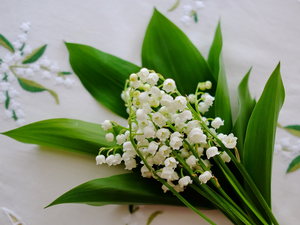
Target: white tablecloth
x: 256, y: 33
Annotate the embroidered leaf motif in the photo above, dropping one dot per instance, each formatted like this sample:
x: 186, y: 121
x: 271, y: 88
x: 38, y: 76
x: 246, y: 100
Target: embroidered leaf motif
x: 7, y: 100
x: 174, y: 6
x: 14, y: 116
x: 293, y: 129
x: 32, y: 86
x: 294, y: 165
x: 6, y: 44
x: 195, y: 17
x: 152, y: 216
x: 13, y: 217
x: 35, y: 55
x: 63, y: 73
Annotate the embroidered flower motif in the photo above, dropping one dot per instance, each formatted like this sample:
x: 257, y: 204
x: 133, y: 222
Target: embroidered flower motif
x: 22, y: 64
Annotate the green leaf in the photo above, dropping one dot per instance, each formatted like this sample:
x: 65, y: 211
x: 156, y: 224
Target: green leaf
x: 174, y: 6
x: 246, y: 105
x: 222, y: 106
x: 152, y: 216
x: 260, y: 135
x: 67, y: 134
x: 35, y: 55
x: 293, y: 129
x: 168, y: 51
x: 6, y: 44
x: 32, y: 86
x: 127, y: 189
x: 102, y: 74
x: 294, y: 165
x: 215, y: 52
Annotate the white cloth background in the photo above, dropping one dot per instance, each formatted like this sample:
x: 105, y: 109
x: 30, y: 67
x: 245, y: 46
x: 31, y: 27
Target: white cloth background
x: 256, y: 33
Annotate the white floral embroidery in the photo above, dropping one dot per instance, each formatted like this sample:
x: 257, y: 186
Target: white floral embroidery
x: 15, y: 69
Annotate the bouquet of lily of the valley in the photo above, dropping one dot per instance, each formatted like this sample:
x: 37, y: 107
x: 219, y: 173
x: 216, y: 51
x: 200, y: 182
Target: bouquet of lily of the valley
x: 180, y: 142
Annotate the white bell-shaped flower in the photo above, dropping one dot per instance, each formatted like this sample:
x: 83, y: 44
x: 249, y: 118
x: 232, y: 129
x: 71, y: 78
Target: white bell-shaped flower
x: 191, y: 161
x: 146, y: 172
x: 176, y: 142
x: 211, y: 152
x: 217, y: 122
x: 109, y: 137
x: 171, y: 162
x: 121, y: 138
x: 163, y: 134
x: 100, y: 159
x: 169, y: 85
x: 143, y: 74
x: 180, y: 102
x: 106, y: 125
x: 186, y: 115
x: 229, y: 141
x: 152, y: 79
x: 166, y: 100
x: 185, y: 181
x: 208, y: 99
x: 153, y: 146
x: 197, y: 136
x: 159, y: 119
x: 225, y: 157
x: 167, y: 173
x: 130, y: 164
x: 206, y: 176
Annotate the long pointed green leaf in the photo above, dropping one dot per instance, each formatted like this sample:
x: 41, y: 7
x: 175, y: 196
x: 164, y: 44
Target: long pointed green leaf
x: 127, y: 189
x: 260, y: 135
x: 215, y: 52
x: 6, y: 44
x: 222, y: 102
x: 167, y: 50
x: 221, y: 106
x: 246, y: 105
x: 68, y: 134
x: 102, y: 74
x: 294, y: 165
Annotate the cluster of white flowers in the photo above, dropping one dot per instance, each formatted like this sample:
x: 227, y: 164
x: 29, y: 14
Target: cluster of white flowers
x: 10, y: 71
x: 167, y: 134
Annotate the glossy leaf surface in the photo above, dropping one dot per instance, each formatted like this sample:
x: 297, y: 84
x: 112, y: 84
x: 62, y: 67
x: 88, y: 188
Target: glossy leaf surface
x: 127, y: 189
x: 168, y: 51
x: 67, y: 134
x: 102, y: 74
x: 260, y: 134
x: 246, y: 105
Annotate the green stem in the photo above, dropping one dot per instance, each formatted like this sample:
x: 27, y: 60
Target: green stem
x: 159, y: 178
x: 237, y: 187
x: 246, y: 176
